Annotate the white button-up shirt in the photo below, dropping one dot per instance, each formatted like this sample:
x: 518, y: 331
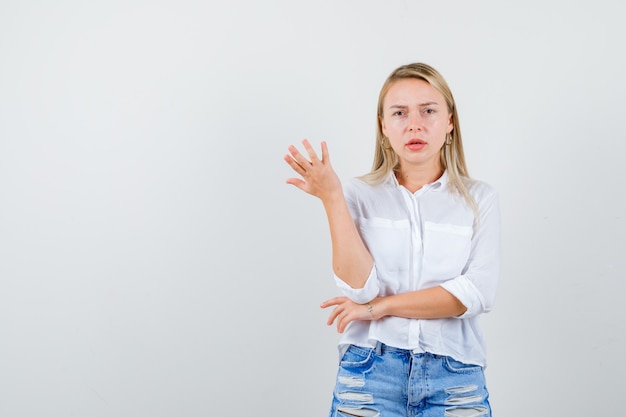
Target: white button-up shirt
x: 421, y: 240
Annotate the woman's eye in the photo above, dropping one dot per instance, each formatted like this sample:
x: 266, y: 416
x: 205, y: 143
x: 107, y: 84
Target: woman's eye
x: 398, y: 113
x: 429, y: 111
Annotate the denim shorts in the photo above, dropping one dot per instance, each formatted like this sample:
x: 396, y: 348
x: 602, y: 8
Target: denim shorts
x: 391, y: 382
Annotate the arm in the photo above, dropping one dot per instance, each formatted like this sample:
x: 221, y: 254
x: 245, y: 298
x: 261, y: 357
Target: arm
x: 351, y: 259
x: 476, y: 286
x: 429, y: 303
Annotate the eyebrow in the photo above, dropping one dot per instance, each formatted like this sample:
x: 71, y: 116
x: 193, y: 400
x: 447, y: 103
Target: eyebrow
x: 401, y: 106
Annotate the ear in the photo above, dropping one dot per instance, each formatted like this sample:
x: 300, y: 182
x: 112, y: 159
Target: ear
x: 450, y: 125
x: 382, y: 125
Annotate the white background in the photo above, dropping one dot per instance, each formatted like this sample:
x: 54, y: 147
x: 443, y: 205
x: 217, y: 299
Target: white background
x: 153, y: 262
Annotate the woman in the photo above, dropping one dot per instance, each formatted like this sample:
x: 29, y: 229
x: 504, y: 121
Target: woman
x: 416, y: 254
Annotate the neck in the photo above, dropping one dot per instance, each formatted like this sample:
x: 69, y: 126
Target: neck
x: 415, y: 178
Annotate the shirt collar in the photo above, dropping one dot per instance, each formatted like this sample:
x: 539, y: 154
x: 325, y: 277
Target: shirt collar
x: 437, y: 185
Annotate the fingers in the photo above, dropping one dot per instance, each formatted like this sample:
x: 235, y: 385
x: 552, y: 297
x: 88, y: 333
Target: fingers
x: 325, y: 155
x: 344, y: 318
x: 318, y: 177
x: 337, y: 311
x: 333, y: 315
x: 341, y: 314
x: 310, y: 151
x: 333, y: 302
x: 295, y: 153
x: 345, y: 312
x: 296, y: 160
x: 294, y: 164
x: 297, y: 182
x: 313, y: 158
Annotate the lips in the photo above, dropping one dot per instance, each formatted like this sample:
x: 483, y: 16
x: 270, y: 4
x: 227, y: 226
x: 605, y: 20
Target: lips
x: 415, y: 144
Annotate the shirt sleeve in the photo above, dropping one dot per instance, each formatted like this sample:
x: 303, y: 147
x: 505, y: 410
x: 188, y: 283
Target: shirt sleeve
x: 476, y: 286
x: 360, y: 295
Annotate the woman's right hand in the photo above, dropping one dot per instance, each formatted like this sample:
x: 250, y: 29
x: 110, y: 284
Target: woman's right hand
x: 318, y: 177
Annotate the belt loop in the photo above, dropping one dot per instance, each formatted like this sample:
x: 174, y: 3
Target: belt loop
x: 379, y: 348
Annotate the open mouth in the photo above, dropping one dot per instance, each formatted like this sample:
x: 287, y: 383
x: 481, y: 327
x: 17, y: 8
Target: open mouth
x: 415, y: 144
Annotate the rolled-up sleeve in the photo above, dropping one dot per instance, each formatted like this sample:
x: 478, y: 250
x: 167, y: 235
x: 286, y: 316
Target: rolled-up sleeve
x: 477, y: 285
x: 361, y: 295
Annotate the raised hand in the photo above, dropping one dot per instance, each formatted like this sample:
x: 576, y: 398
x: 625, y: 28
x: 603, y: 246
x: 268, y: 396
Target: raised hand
x: 318, y: 177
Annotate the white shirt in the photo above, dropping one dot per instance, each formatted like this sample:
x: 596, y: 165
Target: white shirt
x: 421, y: 240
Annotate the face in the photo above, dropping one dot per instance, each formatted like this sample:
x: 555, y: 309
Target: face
x: 416, y: 121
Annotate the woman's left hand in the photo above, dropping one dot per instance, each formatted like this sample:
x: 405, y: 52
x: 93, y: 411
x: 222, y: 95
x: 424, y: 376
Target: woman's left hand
x: 346, y: 311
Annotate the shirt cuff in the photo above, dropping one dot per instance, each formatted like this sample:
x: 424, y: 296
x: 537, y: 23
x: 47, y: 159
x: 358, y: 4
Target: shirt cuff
x: 467, y: 293
x: 361, y: 295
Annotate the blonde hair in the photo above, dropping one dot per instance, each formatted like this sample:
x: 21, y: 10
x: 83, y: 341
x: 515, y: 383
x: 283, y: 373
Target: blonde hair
x: 452, y: 157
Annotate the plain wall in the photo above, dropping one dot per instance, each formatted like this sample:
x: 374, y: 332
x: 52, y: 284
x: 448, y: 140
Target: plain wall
x: 153, y: 262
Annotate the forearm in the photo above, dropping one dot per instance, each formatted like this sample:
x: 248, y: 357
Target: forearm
x: 351, y: 260
x: 430, y: 303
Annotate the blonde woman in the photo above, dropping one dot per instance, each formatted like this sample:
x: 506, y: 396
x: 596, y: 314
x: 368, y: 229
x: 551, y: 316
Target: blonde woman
x: 416, y: 255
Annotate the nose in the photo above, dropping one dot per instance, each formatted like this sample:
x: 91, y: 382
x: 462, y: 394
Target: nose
x: 414, y: 123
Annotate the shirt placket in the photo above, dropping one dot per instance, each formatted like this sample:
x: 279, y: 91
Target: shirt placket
x: 415, y: 262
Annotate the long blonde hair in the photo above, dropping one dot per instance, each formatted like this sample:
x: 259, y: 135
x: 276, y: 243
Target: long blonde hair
x: 452, y: 157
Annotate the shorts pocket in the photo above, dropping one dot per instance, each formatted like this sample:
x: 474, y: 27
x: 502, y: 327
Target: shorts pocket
x: 454, y: 366
x: 357, y: 359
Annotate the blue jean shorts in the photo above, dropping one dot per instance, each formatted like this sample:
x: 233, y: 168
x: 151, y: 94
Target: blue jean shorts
x: 391, y: 382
